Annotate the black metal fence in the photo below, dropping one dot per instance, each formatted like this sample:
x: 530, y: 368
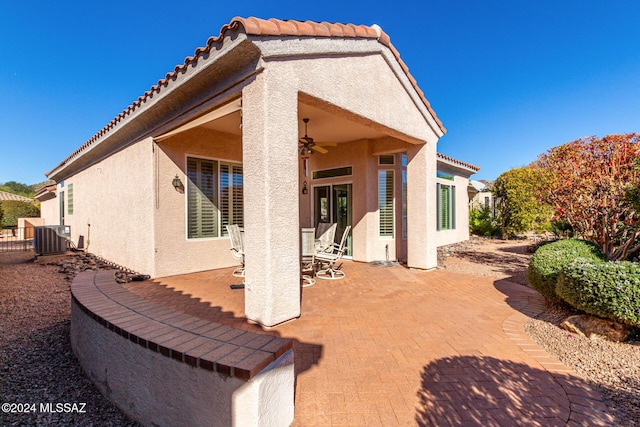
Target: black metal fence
x: 43, y: 240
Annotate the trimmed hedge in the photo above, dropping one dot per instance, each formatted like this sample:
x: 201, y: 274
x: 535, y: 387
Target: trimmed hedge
x: 605, y: 289
x: 548, y: 261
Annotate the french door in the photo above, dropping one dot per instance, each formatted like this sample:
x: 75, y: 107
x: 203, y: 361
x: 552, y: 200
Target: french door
x: 332, y: 203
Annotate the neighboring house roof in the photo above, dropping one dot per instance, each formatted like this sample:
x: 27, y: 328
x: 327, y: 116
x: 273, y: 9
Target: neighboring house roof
x: 261, y: 27
x: 457, y: 163
x: 477, y: 185
x: 10, y: 196
x: 46, y: 193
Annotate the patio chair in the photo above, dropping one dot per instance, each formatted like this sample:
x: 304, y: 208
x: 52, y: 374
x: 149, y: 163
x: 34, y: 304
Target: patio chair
x: 237, y: 248
x: 325, y: 237
x: 307, y: 259
x: 327, y: 260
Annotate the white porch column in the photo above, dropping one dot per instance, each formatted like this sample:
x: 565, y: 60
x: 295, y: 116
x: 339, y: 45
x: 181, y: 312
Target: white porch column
x: 271, y: 219
x: 421, y: 206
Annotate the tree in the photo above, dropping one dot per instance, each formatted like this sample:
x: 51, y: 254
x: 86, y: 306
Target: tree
x: 14, y: 209
x: 588, y: 183
x: 518, y: 206
x: 17, y: 188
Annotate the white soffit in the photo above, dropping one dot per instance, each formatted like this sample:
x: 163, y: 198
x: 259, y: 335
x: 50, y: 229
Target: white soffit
x: 225, y: 110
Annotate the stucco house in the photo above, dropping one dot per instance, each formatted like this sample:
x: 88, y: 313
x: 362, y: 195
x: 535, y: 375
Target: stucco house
x: 221, y: 140
x: 483, y: 196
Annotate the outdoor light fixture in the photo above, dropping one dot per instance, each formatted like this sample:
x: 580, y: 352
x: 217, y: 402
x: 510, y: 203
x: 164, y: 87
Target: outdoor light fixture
x: 177, y: 184
x: 305, y: 190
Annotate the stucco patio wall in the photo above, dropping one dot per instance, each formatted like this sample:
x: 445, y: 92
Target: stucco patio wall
x: 158, y: 386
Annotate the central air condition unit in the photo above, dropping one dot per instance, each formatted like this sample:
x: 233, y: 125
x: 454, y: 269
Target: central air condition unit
x: 51, y: 239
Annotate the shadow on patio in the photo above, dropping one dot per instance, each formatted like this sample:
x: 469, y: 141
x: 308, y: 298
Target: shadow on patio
x: 487, y: 391
x: 194, y: 294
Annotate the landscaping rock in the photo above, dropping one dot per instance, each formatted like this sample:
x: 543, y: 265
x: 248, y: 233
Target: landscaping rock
x: 597, y: 328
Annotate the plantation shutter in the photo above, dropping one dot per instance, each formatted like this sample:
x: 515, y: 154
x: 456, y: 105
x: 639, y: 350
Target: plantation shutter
x: 438, y: 213
x: 202, y: 212
x: 231, y: 196
x: 444, y: 207
x: 452, y: 209
x: 385, y: 203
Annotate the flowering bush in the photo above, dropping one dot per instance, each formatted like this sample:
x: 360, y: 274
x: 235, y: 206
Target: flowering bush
x: 587, y: 183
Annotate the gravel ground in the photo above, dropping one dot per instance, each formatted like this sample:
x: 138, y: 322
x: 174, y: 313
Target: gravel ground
x: 613, y: 367
x: 37, y: 365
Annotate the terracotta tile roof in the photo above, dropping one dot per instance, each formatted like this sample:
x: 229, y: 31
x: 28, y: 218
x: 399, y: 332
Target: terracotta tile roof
x: 458, y: 162
x: 262, y: 27
x: 45, y: 190
x: 10, y: 196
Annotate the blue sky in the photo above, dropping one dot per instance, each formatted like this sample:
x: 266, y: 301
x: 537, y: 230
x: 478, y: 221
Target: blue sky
x: 509, y: 79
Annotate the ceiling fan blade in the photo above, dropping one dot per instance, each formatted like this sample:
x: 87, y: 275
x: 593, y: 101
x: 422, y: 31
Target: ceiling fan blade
x: 319, y: 149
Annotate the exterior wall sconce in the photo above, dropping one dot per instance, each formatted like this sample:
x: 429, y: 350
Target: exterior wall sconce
x: 305, y: 190
x: 177, y: 184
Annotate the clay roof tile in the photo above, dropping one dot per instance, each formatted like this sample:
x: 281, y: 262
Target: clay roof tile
x: 305, y: 28
x: 458, y: 162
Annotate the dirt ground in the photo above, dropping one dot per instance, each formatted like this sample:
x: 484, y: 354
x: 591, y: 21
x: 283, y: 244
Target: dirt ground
x: 501, y: 259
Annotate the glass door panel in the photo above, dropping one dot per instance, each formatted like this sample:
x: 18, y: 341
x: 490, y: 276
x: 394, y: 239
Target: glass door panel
x: 332, y: 203
x: 321, y: 205
x: 342, y: 212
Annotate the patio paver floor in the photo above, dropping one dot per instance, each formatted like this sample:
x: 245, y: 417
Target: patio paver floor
x: 393, y: 346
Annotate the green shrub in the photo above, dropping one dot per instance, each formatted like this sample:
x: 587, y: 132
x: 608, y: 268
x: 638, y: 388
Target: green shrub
x: 548, y: 261
x: 605, y: 289
x: 14, y: 209
x: 483, y: 223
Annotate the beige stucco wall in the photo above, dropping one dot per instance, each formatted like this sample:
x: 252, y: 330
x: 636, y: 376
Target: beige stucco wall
x: 478, y: 200
x: 379, y: 100
x: 461, y: 231
x: 334, y: 70
x: 112, y: 207
x: 174, y: 252
x: 50, y: 211
x: 157, y: 390
x: 362, y: 156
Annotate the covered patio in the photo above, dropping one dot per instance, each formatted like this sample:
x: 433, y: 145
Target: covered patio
x: 394, y: 346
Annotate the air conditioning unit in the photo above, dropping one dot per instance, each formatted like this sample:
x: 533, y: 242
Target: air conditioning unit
x: 51, y: 239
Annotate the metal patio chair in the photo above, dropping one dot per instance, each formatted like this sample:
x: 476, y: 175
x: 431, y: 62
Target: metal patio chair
x: 326, y: 236
x: 327, y: 260
x: 307, y: 259
x: 237, y: 248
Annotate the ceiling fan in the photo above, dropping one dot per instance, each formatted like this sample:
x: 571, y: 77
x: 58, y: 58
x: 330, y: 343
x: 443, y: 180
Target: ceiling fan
x: 306, y: 145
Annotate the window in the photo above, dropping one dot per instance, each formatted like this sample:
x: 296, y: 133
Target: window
x: 70, y: 199
x: 214, y: 197
x: 444, y: 175
x: 446, y: 206
x: 231, y: 206
x: 332, y: 173
x: 386, y: 159
x: 385, y: 203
